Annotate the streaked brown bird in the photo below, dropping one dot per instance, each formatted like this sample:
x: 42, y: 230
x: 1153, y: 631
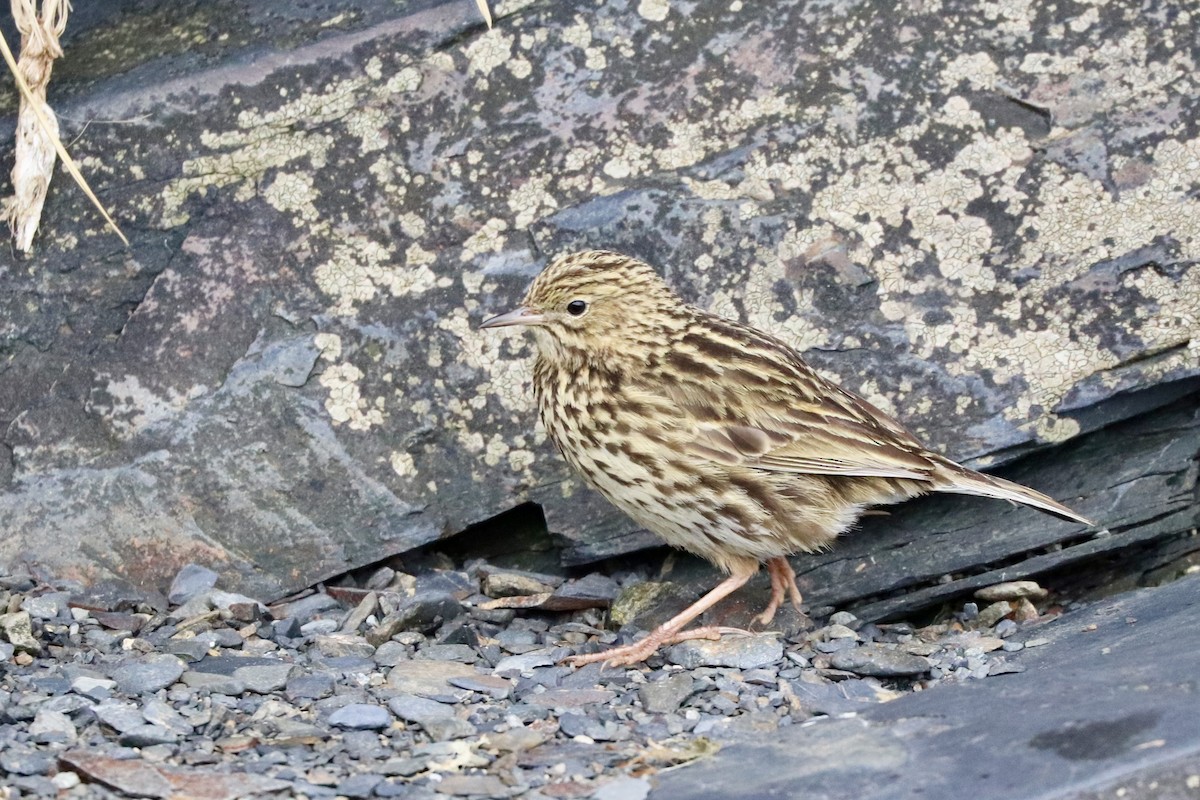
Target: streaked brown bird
x: 712, y: 434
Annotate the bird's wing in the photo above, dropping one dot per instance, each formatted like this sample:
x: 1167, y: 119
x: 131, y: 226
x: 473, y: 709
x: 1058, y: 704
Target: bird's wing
x: 763, y: 407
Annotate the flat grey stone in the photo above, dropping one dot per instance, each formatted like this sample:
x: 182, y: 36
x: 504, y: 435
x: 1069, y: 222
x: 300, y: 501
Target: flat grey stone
x: 156, y: 712
x: 265, y: 678
x: 336, y: 645
x: 666, y: 696
x: 389, y: 654
x: 512, y: 666
x: 878, y: 661
x: 494, y: 687
x: 149, y: 673
x: 1073, y: 723
x: 430, y: 678
x: 118, y: 715
x: 21, y: 760
x: 51, y: 605
x: 95, y: 688
x: 147, y: 735
x: 624, y: 788
x: 213, y: 682
x: 189, y: 650
x: 739, y: 652
x: 358, y: 786
x: 568, y: 698
x: 438, y: 719
x: 52, y: 726
x: 361, y: 716
x: 312, y: 687
x: 472, y: 786
x: 191, y: 580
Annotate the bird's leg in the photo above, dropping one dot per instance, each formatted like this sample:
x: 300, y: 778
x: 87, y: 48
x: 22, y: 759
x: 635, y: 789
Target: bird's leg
x: 778, y: 589
x: 671, y: 631
x: 783, y: 580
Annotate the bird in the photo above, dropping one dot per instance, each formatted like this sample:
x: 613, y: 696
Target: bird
x: 713, y: 434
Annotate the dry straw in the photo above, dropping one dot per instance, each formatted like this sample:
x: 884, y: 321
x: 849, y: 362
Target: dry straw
x: 37, y: 126
x: 487, y: 13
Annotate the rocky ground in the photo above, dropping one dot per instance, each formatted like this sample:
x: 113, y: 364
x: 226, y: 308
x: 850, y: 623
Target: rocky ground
x: 440, y: 681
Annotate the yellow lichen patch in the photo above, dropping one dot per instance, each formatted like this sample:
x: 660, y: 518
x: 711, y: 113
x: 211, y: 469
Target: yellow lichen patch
x: 345, y: 402
x: 330, y: 345
x: 508, y: 378
x: 488, y: 51
x: 487, y: 239
x: 403, y: 464
x: 293, y: 193
x: 654, y: 10
x: 530, y: 201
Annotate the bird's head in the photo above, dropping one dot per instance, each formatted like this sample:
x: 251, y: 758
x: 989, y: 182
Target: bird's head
x: 595, y: 305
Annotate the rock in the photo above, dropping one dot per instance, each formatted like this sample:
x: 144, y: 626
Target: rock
x: 437, y: 719
x: 515, y: 740
x: 494, y: 687
x: 337, y: 645
x: 358, y: 786
x: 1005, y: 628
x: 213, y: 682
x: 844, y: 619
x: 448, y: 652
x: 265, y: 678
x: 624, y: 788
x: 568, y: 698
x: 512, y: 666
x: 148, y: 674
x: 389, y: 654
x: 119, y: 715
x: 429, y: 679
x: 140, y: 778
x: 361, y: 716
x: 309, y: 687
x: 1011, y: 590
x: 511, y: 582
x: 156, y: 712
x: 52, y: 727
x: 20, y: 760
x: 991, y: 615
x: 147, y: 735
x: 594, y: 590
x: 472, y: 786
x: 65, y: 780
x: 95, y: 688
x: 879, y: 661
x: 191, y: 580
x: 17, y: 628
x: 666, y: 696
x: 739, y: 652
x: 423, y: 612
x: 365, y: 608
x: 51, y: 605
x: 306, y: 608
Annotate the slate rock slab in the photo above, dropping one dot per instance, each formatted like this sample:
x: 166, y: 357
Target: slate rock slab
x: 983, y: 221
x: 1110, y: 695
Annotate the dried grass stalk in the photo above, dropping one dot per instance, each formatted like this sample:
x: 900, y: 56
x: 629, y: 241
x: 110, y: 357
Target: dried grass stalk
x: 487, y: 12
x: 37, y: 127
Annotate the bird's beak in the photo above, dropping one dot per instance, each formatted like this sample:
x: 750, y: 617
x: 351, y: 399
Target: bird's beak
x: 518, y: 316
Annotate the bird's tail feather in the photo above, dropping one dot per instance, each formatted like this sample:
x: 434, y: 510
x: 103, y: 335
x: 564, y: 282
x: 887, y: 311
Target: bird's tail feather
x: 965, y: 481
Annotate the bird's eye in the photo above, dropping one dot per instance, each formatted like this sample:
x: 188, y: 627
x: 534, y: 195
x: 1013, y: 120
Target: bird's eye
x: 576, y: 307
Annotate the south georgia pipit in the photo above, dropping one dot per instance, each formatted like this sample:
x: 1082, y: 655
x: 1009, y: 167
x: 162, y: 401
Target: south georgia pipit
x: 714, y: 435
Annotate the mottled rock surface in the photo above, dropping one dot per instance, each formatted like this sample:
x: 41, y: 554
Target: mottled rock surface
x: 983, y: 218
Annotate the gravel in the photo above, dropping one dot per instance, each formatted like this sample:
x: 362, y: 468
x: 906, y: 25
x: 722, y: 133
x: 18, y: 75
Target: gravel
x: 436, y: 688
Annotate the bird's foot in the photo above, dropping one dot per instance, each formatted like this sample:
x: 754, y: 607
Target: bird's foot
x: 630, y: 654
